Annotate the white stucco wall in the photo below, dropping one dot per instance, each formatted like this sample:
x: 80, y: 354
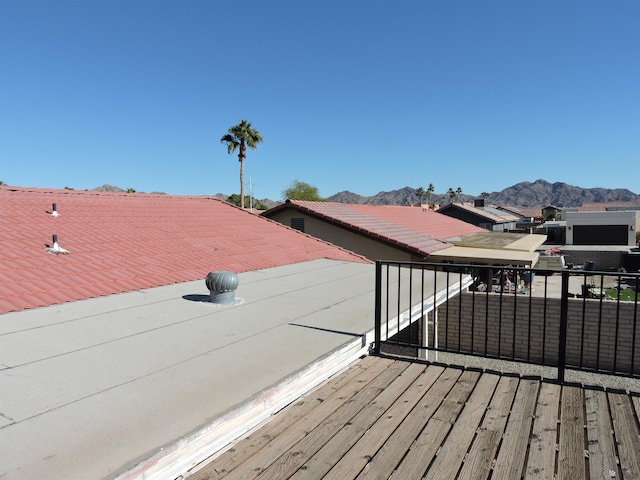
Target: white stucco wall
x: 630, y: 218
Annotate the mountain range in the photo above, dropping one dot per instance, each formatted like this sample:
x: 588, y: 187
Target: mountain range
x: 524, y: 194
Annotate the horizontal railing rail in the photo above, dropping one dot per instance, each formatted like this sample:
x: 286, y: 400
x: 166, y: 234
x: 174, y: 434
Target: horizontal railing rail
x: 569, y: 319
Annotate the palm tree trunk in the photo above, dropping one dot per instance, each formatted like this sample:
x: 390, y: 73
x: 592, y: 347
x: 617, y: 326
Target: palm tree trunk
x: 242, y: 154
x: 241, y: 183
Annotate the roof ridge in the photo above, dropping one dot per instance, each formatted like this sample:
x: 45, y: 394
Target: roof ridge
x: 65, y: 191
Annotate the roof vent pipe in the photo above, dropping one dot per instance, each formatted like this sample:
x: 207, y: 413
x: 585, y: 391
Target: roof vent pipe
x: 54, y: 210
x: 222, y: 286
x: 55, y: 248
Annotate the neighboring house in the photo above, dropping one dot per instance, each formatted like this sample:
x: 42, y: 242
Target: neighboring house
x: 615, y: 227
x: 604, y: 239
x: 603, y: 236
x: 551, y: 212
x: 487, y: 217
x: 534, y: 214
x: 406, y: 233
x: 529, y: 219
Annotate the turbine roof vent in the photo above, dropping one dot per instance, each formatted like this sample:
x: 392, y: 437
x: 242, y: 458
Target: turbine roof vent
x: 222, y: 286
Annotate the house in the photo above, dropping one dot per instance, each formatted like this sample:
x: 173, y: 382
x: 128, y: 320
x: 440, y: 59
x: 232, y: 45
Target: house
x: 604, y: 239
x: 529, y: 219
x: 113, y: 360
x: 616, y: 227
x: 487, y: 217
x: 406, y: 233
x: 551, y: 212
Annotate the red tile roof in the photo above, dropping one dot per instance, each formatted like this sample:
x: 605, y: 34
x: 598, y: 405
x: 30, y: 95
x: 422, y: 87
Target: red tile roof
x: 417, y: 229
x: 120, y: 242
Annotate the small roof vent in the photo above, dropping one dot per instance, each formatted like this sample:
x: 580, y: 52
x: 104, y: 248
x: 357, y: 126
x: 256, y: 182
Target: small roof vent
x: 54, y: 211
x: 56, y: 249
x: 222, y: 286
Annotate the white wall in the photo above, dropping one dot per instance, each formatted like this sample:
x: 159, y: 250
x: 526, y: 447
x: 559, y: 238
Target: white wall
x: 629, y: 217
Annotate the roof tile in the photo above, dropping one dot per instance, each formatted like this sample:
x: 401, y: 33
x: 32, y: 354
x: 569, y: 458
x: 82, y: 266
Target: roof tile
x: 122, y: 242
x: 415, y: 228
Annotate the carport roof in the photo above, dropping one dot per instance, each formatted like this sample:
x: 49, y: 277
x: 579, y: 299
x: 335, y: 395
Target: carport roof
x: 501, y: 240
x: 486, y: 256
x: 493, y: 248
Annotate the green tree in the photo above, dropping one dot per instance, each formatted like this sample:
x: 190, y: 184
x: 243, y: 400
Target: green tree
x: 131, y: 190
x: 239, y: 137
x: 235, y: 199
x: 2, y: 183
x: 302, y: 191
x: 458, y: 193
x: 484, y: 194
x: 421, y: 193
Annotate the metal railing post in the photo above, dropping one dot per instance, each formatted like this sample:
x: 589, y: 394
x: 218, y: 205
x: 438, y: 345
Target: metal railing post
x: 564, y: 313
x: 378, y: 308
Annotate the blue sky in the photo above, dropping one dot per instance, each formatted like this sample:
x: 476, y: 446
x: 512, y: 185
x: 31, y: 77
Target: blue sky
x: 358, y: 95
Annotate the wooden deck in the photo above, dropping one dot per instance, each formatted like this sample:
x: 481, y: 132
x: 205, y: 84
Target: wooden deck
x: 386, y: 418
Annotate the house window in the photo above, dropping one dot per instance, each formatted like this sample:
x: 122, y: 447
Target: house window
x: 297, y: 224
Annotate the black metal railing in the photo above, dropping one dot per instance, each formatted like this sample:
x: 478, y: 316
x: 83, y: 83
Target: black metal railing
x: 570, y: 319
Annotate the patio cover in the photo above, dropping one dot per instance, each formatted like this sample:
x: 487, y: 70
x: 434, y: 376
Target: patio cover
x: 485, y: 256
x: 492, y: 248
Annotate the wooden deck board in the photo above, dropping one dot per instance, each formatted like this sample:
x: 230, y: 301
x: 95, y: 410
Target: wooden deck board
x: 356, y: 459
x: 295, y: 456
x: 426, y: 446
x: 627, y: 435
x: 384, y: 462
x: 329, y: 454
x: 480, y: 457
x: 571, y: 448
x: 398, y: 419
x: 600, y: 440
x: 542, y: 451
x: 510, y: 460
x: 454, y: 449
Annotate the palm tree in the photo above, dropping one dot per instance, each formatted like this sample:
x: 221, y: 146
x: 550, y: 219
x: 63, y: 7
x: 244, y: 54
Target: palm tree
x: 239, y: 138
x: 458, y: 193
x: 452, y: 194
x: 430, y: 191
x: 421, y: 193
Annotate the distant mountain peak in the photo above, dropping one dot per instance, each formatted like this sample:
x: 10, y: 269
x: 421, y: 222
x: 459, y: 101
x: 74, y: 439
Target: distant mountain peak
x: 108, y: 188
x: 524, y: 194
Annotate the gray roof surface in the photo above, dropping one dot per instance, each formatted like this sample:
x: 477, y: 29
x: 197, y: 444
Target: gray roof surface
x: 92, y: 388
